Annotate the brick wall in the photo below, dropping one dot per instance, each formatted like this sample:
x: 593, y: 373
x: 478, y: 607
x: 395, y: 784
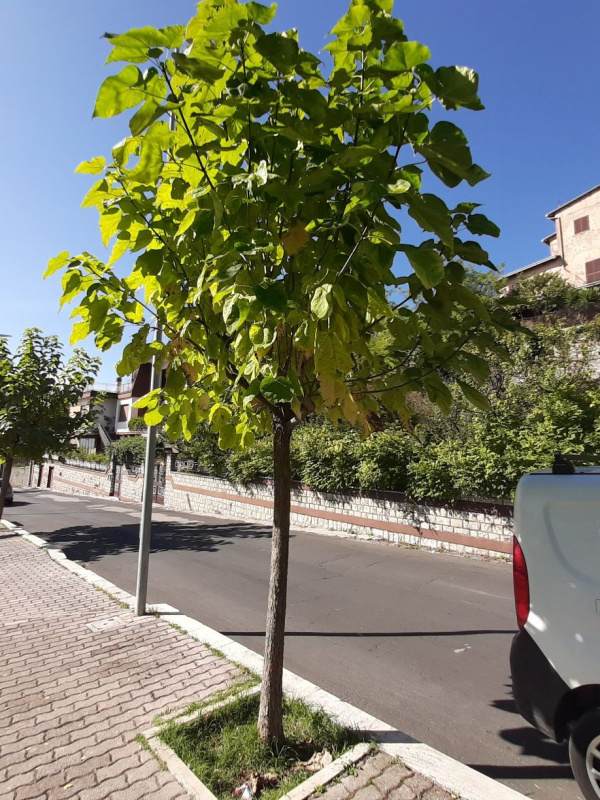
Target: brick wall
x: 468, y: 527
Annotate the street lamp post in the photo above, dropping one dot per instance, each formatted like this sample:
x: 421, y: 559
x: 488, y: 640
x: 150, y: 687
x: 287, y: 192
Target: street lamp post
x: 148, y: 490
x: 141, y: 593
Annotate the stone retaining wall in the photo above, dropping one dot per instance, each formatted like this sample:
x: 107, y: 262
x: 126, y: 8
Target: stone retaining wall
x: 131, y: 486
x: 466, y: 527
x: 475, y: 528
x: 78, y: 480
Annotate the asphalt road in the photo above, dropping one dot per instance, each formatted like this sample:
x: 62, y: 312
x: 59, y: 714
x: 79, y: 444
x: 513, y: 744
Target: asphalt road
x: 420, y: 640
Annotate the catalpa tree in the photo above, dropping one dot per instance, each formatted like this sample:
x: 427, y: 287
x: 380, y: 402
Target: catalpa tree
x: 39, y: 400
x: 265, y: 225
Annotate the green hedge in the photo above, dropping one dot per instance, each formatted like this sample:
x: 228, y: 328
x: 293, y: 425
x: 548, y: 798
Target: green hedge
x: 546, y: 400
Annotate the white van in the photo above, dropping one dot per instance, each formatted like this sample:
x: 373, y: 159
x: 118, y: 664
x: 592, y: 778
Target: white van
x: 555, y: 656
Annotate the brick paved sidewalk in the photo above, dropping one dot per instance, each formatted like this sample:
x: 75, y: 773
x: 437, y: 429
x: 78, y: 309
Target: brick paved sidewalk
x: 380, y: 777
x: 76, y: 689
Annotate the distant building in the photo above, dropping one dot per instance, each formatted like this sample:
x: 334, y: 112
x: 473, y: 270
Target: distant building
x: 574, y: 244
x: 115, y: 411
x: 129, y: 392
x: 98, y: 438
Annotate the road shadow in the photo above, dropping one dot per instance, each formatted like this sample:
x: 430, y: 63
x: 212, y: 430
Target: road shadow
x: 530, y: 742
x: 88, y: 543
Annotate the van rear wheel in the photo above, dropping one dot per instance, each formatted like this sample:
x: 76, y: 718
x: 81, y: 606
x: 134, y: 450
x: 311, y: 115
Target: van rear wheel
x: 584, y: 753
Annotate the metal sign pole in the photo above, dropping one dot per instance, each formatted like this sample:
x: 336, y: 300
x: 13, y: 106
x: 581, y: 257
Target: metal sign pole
x: 148, y: 490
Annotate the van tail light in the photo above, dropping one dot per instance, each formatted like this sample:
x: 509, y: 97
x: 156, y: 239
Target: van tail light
x: 521, y: 584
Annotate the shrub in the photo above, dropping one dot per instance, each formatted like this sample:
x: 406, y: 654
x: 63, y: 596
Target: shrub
x: 549, y: 292
x: 94, y: 458
x: 253, y: 463
x: 203, y: 448
x: 326, y: 458
x: 129, y: 450
x: 384, y: 458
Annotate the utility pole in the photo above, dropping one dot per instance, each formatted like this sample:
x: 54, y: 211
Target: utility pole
x: 148, y: 490
x: 141, y: 592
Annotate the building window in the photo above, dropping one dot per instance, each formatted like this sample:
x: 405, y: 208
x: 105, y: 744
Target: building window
x: 123, y: 413
x: 582, y: 224
x: 592, y: 271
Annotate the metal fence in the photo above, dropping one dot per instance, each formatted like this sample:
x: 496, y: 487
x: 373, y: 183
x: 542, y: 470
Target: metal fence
x: 83, y: 463
x: 188, y: 465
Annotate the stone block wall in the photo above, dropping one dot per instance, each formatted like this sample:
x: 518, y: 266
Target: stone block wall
x: 131, y: 485
x: 77, y: 480
x: 20, y: 474
x: 475, y: 528
x: 466, y: 527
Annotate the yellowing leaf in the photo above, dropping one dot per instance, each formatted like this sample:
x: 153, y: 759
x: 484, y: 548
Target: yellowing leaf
x: 295, y: 239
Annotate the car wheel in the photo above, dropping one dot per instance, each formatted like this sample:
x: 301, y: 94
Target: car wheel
x: 584, y: 753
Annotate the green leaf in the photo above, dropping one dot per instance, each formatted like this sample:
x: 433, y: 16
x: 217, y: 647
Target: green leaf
x: 219, y: 416
x: 277, y: 390
x: 438, y: 392
x: 261, y: 14
x: 432, y: 214
x: 457, y: 86
x: 331, y: 354
x: 109, y: 224
x: 154, y: 417
x: 321, y: 303
x: 61, y: 260
x: 119, y: 92
x: 92, y: 167
x: 279, y: 49
x: 480, y: 225
x: 427, y: 264
x: 150, y: 164
x: 399, y: 187
x: 474, y: 396
x: 198, y: 69
x: 272, y: 296
x: 80, y: 331
x: 403, y: 56
x: 472, y: 252
x: 475, y: 366
x: 147, y: 37
x: 145, y: 115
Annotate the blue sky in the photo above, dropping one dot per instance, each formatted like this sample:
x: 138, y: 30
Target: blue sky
x: 538, y: 136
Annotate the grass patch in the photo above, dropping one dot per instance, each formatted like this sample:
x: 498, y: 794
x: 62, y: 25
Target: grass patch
x: 223, y: 748
x: 217, y: 697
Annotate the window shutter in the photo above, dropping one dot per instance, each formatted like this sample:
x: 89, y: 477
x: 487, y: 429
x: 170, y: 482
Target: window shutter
x: 582, y: 224
x: 592, y: 271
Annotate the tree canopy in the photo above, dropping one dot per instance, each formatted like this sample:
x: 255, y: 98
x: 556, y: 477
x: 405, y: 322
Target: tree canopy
x: 39, y: 394
x: 266, y: 227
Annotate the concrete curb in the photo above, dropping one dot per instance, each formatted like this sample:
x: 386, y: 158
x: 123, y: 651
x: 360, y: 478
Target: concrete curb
x: 446, y: 772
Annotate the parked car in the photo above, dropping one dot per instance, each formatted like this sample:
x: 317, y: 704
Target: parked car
x: 555, y: 656
x: 8, y: 501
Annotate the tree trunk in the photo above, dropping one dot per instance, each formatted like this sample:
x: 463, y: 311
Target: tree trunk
x: 270, y: 717
x: 8, y: 464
